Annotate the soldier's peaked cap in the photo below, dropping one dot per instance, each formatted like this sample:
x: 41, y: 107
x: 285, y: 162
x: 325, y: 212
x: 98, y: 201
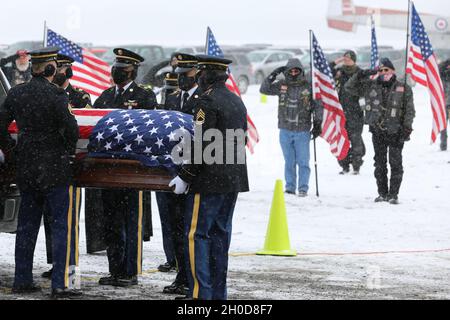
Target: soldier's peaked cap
x: 125, y: 58
x: 44, y: 54
x: 62, y: 59
x: 185, y: 62
x: 206, y: 62
x: 171, y: 80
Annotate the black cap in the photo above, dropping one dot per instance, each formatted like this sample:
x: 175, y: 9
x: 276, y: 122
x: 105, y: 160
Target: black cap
x: 206, y: 62
x: 386, y: 63
x: 62, y: 60
x: 185, y: 62
x: 351, y: 54
x: 171, y: 80
x: 44, y: 55
x: 126, y: 58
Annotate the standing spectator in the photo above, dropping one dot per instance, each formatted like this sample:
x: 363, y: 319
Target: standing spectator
x: 295, y: 117
x: 343, y: 69
x: 20, y: 69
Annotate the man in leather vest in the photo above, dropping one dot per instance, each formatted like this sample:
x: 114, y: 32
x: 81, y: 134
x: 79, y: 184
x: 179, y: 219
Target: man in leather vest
x: 296, y: 113
x: 390, y: 114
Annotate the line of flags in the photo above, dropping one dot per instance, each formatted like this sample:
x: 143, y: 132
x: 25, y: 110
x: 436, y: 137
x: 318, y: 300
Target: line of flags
x: 93, y: 75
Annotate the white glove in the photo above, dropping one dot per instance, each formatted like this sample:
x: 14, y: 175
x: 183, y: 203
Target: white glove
x: 180, y: 185
x: 2, y: 157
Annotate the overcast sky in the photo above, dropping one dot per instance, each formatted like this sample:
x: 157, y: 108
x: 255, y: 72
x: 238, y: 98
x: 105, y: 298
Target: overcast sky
x: 181, y: 22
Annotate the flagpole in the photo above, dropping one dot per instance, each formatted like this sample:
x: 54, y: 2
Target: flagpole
x: 45, y: 34
x: 312, y: 89
x: 408, y: 35
x: 206, y: 42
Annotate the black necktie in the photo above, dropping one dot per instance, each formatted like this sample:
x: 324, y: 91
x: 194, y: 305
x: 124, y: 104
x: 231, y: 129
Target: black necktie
x: 185, y: 99
x: 118, y: 95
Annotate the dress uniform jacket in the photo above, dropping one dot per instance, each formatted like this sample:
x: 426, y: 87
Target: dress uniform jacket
x: 78, y: 99
x: 47, y: 136
x: 173, y: 102
x: 218, y: 108
x: 134, y: 97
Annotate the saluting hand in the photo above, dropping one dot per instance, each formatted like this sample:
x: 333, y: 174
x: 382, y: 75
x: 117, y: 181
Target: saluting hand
x: 181, y: 187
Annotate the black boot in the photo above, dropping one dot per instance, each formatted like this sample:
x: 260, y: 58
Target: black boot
x: 126, y: 281
x: 167, y: 267
x: 381, y: 198
x: 176, y: 288
x: 393, y: 199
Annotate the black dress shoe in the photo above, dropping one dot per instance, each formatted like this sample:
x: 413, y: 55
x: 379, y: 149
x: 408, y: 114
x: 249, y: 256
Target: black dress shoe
x: 47, y: 274
x: 184, y: 298
x: 176, y: 288
x: 24, y: 289
x: 167, y: 267
x: 126, y: 281
x: 108, y: 281
x: 65, y: 293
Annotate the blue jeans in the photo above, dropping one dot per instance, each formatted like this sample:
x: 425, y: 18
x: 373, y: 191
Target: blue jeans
x: 295, y: 146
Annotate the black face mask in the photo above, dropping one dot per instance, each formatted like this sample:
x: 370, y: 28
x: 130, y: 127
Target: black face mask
x: 186, y: 83
x: 59, y: 79
x: 119, y: 75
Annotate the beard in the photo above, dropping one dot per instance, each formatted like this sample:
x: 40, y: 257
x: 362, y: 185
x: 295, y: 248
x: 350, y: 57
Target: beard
x: 22, y: 67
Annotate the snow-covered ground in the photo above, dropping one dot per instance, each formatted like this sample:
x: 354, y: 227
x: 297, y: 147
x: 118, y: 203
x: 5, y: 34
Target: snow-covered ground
x: 348, y: 246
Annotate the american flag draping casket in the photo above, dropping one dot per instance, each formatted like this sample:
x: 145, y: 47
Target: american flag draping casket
x: 147, y: 136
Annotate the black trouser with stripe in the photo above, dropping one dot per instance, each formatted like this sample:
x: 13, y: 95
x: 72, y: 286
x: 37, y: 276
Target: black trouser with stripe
x: 60, y: 201
x: 208, y: 232
x: 384, y: 145
x: 123, y: 211
x: 175, y: 206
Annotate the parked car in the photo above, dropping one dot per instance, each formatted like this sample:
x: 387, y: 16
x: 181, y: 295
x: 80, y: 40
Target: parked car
x: 151, y: 53
x: 296, y: 50
x: 265, y: 61
x: 241, y: 68
x: 22, y: 45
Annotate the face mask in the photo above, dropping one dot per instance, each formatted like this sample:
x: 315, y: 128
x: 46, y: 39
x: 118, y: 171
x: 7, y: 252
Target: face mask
x: 186, y: 83
x: 119, y: 75
x: 386, y: 77
x: 59, y: 79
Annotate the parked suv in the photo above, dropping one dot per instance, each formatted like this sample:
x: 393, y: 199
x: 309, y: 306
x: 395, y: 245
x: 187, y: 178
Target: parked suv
x: 265, y: 61
x: 241, y: 68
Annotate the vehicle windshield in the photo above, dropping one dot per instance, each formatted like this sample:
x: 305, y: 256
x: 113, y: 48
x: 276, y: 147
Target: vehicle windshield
x: 256, y: 57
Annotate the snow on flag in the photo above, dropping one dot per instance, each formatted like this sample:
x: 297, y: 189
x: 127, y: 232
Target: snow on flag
x: 324, y: 90
x: 90, y: 73
x: 213, y: 49
x: 423, y: 67
x: 148, y: 136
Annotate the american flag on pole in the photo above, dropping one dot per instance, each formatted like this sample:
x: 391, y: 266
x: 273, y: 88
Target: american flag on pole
x: 423, y: 67
x: 374, y: 54
x: 324, y: 90
x: 90, y: 73
x: 213, y: 49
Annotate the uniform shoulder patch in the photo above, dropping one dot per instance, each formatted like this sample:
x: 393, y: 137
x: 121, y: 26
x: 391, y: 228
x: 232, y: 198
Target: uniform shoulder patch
x: 200, y: 117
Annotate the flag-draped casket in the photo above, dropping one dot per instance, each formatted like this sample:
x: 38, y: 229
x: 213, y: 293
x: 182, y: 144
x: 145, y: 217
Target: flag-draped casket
x: 127, y: 148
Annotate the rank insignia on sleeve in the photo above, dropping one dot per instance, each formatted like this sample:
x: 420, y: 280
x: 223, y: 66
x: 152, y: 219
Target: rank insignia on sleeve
x: 200, y: 117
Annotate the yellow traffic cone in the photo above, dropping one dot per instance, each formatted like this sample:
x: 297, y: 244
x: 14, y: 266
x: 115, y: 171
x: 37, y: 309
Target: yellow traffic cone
x: 277, y: 237
x: 263, y: 98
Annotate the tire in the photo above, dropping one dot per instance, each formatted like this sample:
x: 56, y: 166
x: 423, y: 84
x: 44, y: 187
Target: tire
x: 242, y: 84
x: 259, y: 77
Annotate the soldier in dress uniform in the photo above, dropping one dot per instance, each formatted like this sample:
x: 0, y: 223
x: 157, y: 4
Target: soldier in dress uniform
x: 390, y: 115
x: 125, y: 211
x: 48, y: 133
x: 172, y: 206
x: 213, y: 187
x: 78, y: 99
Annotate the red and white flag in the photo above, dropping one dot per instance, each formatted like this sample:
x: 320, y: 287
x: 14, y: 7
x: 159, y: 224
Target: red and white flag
x: 423, y: 68
x: 324, y: 90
